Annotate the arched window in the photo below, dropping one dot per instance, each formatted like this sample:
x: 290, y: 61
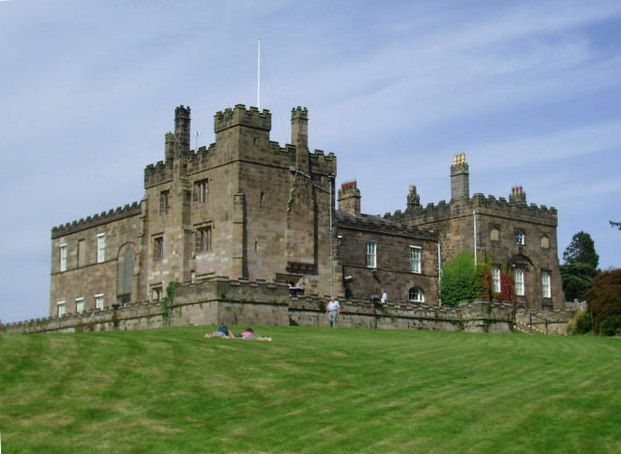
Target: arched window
x: 416, y: 295
x: 545, y: 242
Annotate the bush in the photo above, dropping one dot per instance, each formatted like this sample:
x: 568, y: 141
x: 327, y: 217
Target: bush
x: 458, y: 280
x: 610, y: 326
x: 604, y: 300
x: 580, y: 323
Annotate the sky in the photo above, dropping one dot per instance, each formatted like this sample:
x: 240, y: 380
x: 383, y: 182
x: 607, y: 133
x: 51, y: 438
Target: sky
x: 530, y: 91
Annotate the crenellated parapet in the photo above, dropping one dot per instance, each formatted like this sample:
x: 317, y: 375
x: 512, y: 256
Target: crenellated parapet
x: 200, y: 159
x: 481, y: 204
x: 158, y: 173
x: 98, y: 219
x: 322, y: 163
x: 379, y: 224
x: 240, y: 116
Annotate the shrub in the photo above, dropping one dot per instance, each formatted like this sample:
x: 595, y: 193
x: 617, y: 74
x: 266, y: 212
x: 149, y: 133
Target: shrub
x: 610, y: 326
x: 604, y: 299
x: 458, y: 280
x: 580, y: 323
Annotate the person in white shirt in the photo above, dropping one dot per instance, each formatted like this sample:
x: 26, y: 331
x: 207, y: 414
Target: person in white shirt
x: 384, y: 297
x: 333, y: 312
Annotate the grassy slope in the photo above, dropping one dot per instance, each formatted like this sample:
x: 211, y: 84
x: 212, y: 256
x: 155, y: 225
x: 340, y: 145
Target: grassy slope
x: 311, y: 390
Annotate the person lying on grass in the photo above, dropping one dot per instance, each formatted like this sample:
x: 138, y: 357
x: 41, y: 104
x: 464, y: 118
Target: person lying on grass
x: 223, y: 332
x: 249, y: 334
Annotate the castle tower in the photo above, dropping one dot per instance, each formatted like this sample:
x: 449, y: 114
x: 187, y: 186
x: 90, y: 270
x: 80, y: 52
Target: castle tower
x: 349, y: 198
x: 299, y: 136
x: 460, y: 185
x: 413, y: 198
x: 518, y: 195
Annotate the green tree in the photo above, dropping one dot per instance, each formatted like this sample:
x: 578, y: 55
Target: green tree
x: 458, y: 280
x: 580, y: 266
x: 581, y: 249
x: 616, y: 224
x: 604, y: 302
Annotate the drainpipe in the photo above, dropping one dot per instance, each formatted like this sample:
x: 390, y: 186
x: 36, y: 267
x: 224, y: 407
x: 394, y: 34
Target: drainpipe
x: 474, y: 234
x: 439, y: 275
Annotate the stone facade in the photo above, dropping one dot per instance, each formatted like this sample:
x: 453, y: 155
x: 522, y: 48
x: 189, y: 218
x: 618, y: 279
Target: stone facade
x: 511, y: 234
x: 244, y: 207
x: 247, y: 208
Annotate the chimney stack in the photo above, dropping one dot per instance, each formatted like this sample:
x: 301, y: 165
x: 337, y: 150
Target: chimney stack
x: 349, y: 198
x: 517, y: 195
x: 460, y: 183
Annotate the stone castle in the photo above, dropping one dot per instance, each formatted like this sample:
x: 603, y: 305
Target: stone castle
x: 252, y: 210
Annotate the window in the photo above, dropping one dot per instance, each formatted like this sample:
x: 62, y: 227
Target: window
x: 158, y: 248
x: 81, y: 253
x: 496, y: 279
x: 99, y: 301
x: 494, y: 234
x: 416, y: 295
x: 520, y: 238
x: 63, y: 257
x: 519, y: 282
x: 545, y: 284
x: 415, y: 259
x: 202, y: 240
x: 545, y: 242
x: 60, y: 308
x: 371, y: 254
x: 164, y: 202
x: 79, y: 305
x: 156, y: 293
x: 201, y: 191
x: 101, y: 247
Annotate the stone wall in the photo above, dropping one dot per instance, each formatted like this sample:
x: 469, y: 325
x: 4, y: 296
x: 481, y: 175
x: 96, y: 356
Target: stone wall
x: 221, y: 300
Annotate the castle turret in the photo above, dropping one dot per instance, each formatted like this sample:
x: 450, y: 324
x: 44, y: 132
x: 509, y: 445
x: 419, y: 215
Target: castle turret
x: 182, y: 130
x: 349, y: 198
x: 517, y: 195
x: 299, y: 136
x: 413, y: 198
x: 460, y: 185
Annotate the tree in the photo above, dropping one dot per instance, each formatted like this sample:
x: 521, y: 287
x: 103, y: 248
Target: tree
x: 458, y: 280
x: 616, y: 224
x: 580, y: 266
x: 604, y: 302
x: 581, y: 249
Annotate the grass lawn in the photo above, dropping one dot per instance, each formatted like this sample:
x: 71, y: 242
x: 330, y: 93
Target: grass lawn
x: 310, y: 390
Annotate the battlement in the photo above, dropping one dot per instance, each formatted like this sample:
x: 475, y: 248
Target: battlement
x: 240, y: 116
x: 480, y: 203
x: 97, y: 219
x: 377, y: 223
x: 158, y: 173
x: 299, y: 113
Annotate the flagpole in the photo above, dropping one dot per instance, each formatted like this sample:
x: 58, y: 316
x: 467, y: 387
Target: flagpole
x: 259, y: 74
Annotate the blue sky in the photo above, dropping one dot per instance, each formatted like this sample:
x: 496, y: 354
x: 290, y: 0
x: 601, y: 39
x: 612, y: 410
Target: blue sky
x: 530, y: 91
